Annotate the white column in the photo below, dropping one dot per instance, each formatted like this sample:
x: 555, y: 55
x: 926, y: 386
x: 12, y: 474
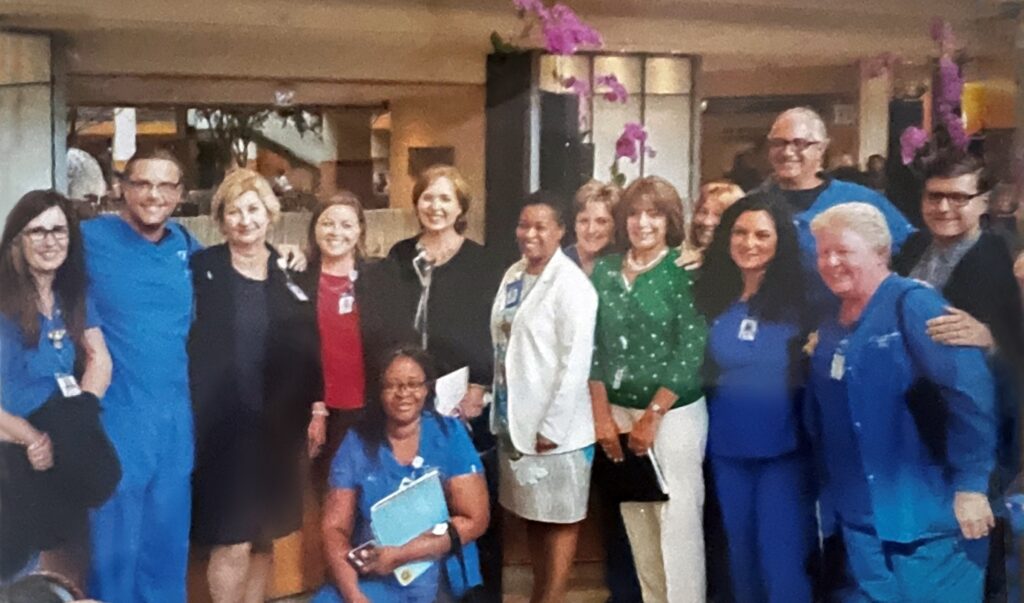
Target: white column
x: 873, y: 115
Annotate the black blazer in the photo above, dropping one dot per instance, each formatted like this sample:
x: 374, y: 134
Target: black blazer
x: 293, y: 378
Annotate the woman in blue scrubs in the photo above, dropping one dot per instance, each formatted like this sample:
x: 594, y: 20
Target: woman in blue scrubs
x: 51, y: 350
x: 751, y: 292
x: 402, y: 438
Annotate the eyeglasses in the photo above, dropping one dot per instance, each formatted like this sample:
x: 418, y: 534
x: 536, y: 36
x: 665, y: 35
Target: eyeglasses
x: 402, y: 388
x: 956, y: 200
x: 164, y: 189
x: 38, y: 234
x: 799, y: 144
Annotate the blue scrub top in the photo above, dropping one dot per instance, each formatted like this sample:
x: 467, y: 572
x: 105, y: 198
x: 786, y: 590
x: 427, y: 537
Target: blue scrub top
x: 143, y: 292
x: 449, y: 450
x: 28, y: 374
x: 752, y: 410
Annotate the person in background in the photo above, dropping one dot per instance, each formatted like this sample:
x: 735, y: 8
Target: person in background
x: 744, y: 172
x: 750, y: 290
x: 400, y: 437
x: 645, y: 380
x: 52, y: 354
x: 594, y: 223
x: 973, y: 270
x: 435, y: 289
x: 542, y: 324
x: 875, y: 173
x: 715, y: 198
x: 1001, y: 218
x: 903, y: 427
x: 797, y: 144
x: 336, y: 234
x: 256, y: 389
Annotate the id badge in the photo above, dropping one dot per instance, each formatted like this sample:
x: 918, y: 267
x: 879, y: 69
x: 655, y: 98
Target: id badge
x: 297, y: 292
x: 68, y: 385
x: 838, y: 366
x: 617, y: 379
x: 748, y: 329
x: 513, y: 292
x: 345, y: 304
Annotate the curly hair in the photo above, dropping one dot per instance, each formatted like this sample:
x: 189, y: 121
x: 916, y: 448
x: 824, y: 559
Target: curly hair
x: 782, y: 292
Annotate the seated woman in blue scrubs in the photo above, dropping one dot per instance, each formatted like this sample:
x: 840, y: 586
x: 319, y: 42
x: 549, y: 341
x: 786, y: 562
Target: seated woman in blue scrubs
x: 402, y: 437
x: 46, y: 321
x: 750, y: 290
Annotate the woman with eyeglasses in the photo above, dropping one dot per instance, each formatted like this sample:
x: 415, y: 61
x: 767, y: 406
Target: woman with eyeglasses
x: 52, y: 356
x: 254, y: 363
x: 402, y: 438
x: 974, y: 271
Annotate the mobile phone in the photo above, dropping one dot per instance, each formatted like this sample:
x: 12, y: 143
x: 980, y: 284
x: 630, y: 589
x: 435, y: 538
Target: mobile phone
x: 361, y: 554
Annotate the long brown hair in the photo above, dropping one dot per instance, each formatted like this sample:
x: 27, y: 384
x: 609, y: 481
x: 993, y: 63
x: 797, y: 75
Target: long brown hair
x: 19, y: 299
x: 341, y: 197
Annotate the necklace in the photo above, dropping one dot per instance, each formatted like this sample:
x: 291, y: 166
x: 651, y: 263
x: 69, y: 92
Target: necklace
x: 635, y: 267
x: 56, y: 337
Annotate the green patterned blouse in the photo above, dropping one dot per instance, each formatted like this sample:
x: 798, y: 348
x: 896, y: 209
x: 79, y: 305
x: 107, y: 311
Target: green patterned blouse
x: 648, y: 335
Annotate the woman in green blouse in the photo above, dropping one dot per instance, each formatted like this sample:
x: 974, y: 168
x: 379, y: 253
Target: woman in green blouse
x: 645, y: 381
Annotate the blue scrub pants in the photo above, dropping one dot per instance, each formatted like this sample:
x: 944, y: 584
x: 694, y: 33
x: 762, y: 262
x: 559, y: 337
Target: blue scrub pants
x: 768, y: 512
x: 140, y: 536
x: 945, y: 569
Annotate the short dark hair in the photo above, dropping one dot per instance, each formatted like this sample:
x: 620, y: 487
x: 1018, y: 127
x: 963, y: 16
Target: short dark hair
x: 154, y: 153
x: 551, y: 200
x: 955, y: 163
x: 666, y: 200
x: 781, y: 296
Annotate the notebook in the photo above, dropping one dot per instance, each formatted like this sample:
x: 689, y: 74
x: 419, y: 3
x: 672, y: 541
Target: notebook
x: 635, y: 479
x: 415, y: 508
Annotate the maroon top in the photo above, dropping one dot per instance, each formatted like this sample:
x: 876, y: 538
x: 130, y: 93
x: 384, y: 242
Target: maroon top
x: 341, y: 344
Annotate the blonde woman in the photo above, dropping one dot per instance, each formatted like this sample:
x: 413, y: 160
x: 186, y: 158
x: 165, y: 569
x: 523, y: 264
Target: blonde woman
x: 255, y: 376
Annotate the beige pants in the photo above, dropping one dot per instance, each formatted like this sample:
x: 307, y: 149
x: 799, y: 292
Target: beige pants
x: 668, y: 537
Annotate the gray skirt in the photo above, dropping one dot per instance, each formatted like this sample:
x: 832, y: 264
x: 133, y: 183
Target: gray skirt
x: 549, y: 488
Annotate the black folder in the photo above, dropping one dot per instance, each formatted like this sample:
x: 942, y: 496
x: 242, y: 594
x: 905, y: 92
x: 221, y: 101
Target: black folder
x: 635, y: 479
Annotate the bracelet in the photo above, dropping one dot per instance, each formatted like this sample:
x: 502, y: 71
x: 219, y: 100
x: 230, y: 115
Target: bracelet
x: 37, y: 444
x: 319, y: 412
x: 658, y: 410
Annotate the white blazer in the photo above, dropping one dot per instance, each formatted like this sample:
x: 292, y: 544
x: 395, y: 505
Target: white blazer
x: 547, y: 363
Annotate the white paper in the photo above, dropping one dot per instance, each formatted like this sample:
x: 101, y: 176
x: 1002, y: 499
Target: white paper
x: 450, y: 390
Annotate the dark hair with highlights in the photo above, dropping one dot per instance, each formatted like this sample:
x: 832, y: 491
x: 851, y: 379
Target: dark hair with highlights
x: 953, y: 164
x: 781, y: 296
x: 659, y: 194
x: 19, y: 299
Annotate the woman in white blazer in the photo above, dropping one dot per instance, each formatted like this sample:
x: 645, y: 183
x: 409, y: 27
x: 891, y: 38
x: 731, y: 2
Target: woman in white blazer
x: 542, y: 324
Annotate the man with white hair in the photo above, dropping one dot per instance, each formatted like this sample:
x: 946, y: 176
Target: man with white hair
x: 797, y: 144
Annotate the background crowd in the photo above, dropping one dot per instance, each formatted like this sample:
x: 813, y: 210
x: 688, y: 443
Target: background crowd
x: 832, y: 396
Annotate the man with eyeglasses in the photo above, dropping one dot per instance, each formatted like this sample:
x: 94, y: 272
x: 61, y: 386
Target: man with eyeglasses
x: 974, y: 272
x: 797, y: 144
x: 138, y: 263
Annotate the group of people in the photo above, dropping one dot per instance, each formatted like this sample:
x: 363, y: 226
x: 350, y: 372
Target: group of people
x: 832, y: 374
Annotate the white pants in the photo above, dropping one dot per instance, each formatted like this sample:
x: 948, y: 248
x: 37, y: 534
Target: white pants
x: 668, y: 537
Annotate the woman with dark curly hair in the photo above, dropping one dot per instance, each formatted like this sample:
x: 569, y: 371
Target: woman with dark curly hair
x: 751, y: 292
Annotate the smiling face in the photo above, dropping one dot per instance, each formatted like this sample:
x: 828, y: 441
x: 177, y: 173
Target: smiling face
x: 753, y: 241
x: 952, y: 208
x: 403, y: 391
x: 152, y: 190
x: 338, y: 231
x: 705, y: 220
x: 646, y: 227
x: 848, y: 263
x: 438, y: 206
x: 539, y: 234
x: 245, y: 220
x: 44, y: 241
x: 796, y: 148
x: 595, y: 228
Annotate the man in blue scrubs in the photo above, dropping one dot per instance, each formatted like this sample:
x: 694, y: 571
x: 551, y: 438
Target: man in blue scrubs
x: 138, y: 266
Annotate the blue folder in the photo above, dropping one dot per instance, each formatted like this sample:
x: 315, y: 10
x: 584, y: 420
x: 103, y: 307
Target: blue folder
x: 413, y: 509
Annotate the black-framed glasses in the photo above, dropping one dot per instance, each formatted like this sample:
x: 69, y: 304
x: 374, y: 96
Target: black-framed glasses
x: 799, y: 144
x: 957, y: 200
x: 38, y: 234
x: 164, y: 189
x: 401, y: 388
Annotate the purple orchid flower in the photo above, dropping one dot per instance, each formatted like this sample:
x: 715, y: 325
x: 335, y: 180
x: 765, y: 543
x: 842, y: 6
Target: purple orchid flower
x: 632, y: 143
x: 912, y: 140
x: 565, y: 33
x: 950, y: 83
x: 531, y: 6
x: 616, y: 91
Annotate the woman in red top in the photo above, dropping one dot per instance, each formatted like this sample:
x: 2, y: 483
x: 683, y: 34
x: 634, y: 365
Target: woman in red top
x: 336, y: 233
